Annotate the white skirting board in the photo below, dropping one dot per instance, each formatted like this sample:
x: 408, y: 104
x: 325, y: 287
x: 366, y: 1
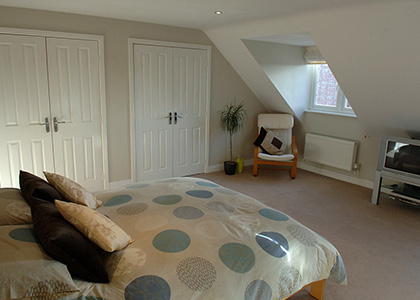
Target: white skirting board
x: 342, y: 177
x: 301, y: 165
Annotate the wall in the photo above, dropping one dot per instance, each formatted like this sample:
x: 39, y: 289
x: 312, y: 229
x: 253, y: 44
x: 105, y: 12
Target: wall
x: 226, y: 85
x: 371, y: 49
x: 286, y: 68
x: 347, y: 128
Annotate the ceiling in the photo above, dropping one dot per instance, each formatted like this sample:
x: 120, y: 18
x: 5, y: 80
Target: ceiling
x: 198, y: 14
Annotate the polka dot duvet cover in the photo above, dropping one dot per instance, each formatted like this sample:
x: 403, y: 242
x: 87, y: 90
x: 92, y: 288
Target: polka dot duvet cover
x: 195, y: 239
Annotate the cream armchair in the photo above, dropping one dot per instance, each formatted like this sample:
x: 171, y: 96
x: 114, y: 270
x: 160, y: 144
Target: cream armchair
x: 277, y: 141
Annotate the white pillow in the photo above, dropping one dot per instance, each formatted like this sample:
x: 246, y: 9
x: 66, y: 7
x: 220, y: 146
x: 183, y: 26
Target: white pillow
x: 72, y: 191
x: 95, y: 226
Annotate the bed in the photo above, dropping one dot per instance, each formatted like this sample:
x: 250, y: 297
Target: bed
x: 188, y: 238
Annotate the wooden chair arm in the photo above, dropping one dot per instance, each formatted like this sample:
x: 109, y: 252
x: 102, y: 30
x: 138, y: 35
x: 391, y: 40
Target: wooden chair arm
x: 294, y: 147
x: 256, y: 151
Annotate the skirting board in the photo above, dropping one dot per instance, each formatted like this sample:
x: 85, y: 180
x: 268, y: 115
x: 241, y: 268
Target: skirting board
x: 120, y: 184
x: 306, y: 167
x: 250, y: 162
x: 219, y: 167
x: 335, y: 175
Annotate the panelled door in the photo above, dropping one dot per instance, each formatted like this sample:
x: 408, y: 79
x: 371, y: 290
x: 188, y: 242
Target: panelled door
x: 25, y: 142
x: 170, y: 87
x: 50, y: 102
x: 73, y: 69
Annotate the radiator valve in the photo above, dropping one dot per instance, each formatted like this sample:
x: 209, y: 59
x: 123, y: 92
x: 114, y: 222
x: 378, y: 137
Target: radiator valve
x: 356, y: 168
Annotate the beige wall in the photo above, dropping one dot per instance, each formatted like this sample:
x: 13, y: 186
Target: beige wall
x: 347, y: 128
x: 286, y: 68
x: 226, y: 85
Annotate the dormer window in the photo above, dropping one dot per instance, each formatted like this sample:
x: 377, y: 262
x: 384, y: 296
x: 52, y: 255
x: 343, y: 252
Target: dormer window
x: 326, y: 93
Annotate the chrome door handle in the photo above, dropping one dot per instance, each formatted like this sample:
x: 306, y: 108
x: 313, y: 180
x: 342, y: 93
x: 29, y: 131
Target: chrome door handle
x: 170, y: 118
x: 56, y: 122
x: 177, y: 116
x: 47, y: 124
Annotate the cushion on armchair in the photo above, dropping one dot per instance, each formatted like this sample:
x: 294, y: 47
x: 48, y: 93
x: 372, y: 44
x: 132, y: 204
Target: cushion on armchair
x: 269, y: 143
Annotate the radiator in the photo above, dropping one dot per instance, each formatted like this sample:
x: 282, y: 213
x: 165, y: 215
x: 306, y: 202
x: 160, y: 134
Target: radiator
x: 330, y: 151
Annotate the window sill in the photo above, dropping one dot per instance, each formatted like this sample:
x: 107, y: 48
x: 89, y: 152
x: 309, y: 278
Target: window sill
x: 323, y: 112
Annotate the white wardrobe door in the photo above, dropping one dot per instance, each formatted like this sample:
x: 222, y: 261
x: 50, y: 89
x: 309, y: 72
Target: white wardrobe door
x: 153, y: 104
x: 24, y: 105
x: 73, y: 68
x: 189, y: 102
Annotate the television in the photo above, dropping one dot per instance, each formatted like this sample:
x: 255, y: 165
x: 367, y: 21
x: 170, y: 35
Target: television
x: 400, y: 156
x: 398, y: 160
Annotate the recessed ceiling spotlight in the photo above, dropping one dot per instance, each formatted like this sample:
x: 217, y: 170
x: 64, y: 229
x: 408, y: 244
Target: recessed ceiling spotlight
x: 219, y: 12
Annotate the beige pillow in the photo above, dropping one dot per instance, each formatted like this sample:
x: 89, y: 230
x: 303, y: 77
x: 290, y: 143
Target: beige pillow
x: 13, y: 207
x: 95, y: 226
x: 72, y: 191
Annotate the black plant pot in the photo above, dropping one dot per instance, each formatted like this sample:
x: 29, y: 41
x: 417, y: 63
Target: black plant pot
x: 230, y: 167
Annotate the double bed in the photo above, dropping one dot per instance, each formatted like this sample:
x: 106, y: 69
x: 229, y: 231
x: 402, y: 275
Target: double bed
x: 189, y: 239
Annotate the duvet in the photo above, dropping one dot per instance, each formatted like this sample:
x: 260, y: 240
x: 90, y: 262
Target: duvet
x: 194, y: 239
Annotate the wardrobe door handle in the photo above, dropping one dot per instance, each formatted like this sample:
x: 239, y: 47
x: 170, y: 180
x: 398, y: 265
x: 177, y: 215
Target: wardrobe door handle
x: 56, y: 122
x: 177, y: 116
x: 170, y: 118
x: 47, y: 124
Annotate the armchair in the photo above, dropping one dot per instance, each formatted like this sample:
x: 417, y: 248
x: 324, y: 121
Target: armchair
x: 277, y: 130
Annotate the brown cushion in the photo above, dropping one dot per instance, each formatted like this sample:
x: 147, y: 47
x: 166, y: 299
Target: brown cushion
x: 66, y: 244
x: 34, y: 186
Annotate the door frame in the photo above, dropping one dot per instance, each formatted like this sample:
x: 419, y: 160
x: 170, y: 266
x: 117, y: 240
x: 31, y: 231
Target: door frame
x: 137, y: 41
x: 102, y: 96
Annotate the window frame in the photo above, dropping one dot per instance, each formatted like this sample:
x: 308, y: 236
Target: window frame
x: 340, y: 107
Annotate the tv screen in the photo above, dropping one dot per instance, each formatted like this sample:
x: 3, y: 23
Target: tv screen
x: 402, y: 157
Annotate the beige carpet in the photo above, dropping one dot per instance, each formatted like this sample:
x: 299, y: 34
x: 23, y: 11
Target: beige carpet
x: 380, y: 245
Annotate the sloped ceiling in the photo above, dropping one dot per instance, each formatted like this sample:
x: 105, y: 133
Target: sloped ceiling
x: 371, y: 46
x: 372, y: 50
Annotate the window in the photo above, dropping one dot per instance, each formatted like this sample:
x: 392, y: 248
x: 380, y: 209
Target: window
x: 326, y: 93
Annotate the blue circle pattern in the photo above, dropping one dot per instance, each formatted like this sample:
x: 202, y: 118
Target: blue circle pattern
x: 258, y: 289
x: 208, y: 184
x: 237, y: 257
x: 118, y: 200
x: 273, y: 214
x: 171, y: 241
x: 147, y: 288
x: 167, y: 199
x: 338, y: 271
x: 24, y: 235
x: 200, y: 194
x: 188, y: 213
x: 273, y: 243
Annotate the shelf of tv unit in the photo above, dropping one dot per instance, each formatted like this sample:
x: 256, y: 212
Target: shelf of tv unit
x: 394, y: 191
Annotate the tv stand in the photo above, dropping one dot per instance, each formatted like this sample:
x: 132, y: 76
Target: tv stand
x: 407, y: 190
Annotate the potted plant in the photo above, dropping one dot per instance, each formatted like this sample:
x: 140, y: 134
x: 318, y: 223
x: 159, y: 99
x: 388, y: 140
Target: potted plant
x: 232, y: 119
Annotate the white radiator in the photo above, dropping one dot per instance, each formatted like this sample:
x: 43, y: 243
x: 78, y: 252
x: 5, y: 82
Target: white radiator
x: 330, y: 151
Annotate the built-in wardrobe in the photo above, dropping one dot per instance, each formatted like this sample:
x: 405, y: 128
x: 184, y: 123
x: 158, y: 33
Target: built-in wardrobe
x: 170, y: 88
x: 52, y: 105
